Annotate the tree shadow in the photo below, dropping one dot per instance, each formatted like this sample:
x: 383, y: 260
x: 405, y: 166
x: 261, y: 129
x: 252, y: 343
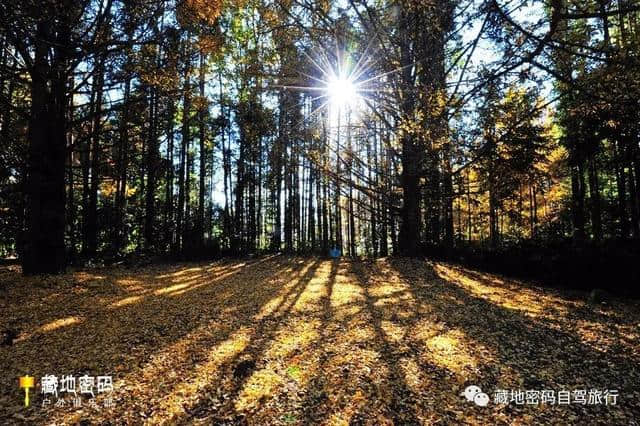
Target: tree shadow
x: 351, y: 332
x: 613, y: 310
x: 402, y: 401
x: 520, y: 352
x: 126, y: 341
x: 317, y: 390
x: 264, y: 330
x: 392, y: 340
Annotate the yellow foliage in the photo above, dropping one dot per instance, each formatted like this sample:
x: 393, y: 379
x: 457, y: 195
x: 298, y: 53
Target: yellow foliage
x: 107, y: 188
x: 202, y: 12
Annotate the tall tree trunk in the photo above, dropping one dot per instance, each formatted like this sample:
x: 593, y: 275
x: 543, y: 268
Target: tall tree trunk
x: 310, y: 209
x: 186, y: 135
x: 169, y: 204
x: 411, y: 157
x: 577, y: 208
x: 259, y: 184
x: 622, y: 190
x: 594, y: 195
x: 352, y: 222
x: 226, y: 164
x: 202, y: 114
x: 338, y: 210
x: 410, y: 225
x: 153, y: 158
x: 289, y: 202
x: 239, y: 219
x: 187, y: 230
x: 374, y: 204
x: 633, y: 189
x: 91, y: 215
x: 122, y: 167
x: 325, y: 191
x: 71, y: 207
x: 447, y: 199
x: 494, y: 230
x: 44, y: 250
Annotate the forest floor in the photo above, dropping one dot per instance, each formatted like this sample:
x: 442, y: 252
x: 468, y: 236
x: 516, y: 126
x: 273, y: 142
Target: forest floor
x: 285, y: 340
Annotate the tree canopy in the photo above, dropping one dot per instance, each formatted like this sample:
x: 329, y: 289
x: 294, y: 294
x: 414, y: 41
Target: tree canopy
x: 196, y: 128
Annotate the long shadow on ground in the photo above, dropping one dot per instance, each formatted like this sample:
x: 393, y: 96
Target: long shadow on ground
x: 297, y: 341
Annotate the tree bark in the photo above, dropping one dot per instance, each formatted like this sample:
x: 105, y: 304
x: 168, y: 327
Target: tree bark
x: 45, y: 187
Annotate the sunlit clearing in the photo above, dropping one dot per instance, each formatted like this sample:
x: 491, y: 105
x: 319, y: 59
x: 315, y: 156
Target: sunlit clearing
x: 452, y: 351
x: 259, y: 387
x: 531, y: 302
x: 185, y: 392
x: 171, y: 288
x: 126, y: 301
x: 63, y: 322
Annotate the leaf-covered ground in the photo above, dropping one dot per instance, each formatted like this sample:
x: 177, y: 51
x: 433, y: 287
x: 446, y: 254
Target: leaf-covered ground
x: 278, y: 340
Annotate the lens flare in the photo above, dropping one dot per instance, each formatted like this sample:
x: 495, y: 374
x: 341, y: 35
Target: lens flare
x: 342, y: 92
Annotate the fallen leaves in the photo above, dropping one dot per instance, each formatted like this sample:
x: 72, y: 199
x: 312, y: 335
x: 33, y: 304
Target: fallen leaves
x: 279, y: 340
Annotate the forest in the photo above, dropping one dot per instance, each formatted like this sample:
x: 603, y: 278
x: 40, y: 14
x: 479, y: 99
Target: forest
x: 461, y: 129
x: 232, y: 174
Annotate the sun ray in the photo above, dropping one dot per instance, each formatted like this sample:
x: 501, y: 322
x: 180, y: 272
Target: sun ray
x: 360, y: 67
x: 315, y: 111
x: 303, y: 88
x: 339, y: 81
x: 314, y: 62
x: 319, y: 80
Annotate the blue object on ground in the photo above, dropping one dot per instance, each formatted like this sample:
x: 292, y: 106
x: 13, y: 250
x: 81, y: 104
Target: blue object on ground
x: 334, y: 253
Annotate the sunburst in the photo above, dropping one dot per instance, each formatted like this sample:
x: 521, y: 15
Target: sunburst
x: 338, y: 84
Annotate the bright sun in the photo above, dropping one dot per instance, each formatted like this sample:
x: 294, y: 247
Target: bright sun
x: 342, y: 92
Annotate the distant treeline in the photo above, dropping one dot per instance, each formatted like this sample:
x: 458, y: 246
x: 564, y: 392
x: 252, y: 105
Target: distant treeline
x: 613, y: 265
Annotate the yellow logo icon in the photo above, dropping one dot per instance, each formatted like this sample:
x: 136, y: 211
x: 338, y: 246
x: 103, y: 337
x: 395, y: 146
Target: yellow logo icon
x: 26, y: 383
